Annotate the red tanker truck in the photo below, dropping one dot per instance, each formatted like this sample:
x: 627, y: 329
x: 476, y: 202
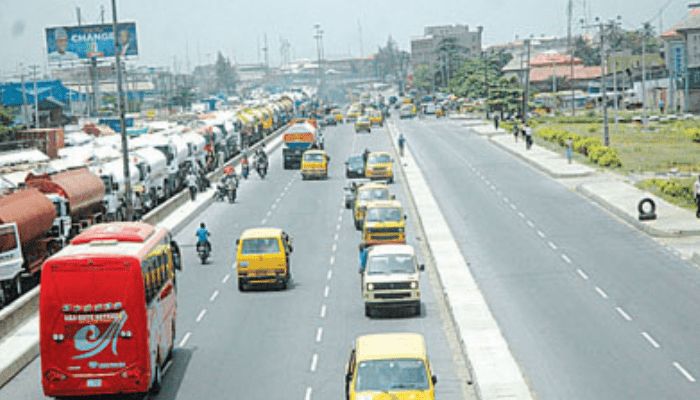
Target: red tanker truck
x: 38, y: 221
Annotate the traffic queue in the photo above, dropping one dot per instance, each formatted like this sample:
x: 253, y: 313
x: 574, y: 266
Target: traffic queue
x: 97, y: 338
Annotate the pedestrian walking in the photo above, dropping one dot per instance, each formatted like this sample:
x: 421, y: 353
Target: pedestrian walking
x: 569, y: 149
x: 138, y: 206
x: 516, y: 131
x: 697, y: 197
x: 528, y: 136
x: 496, y: 121
x: 661, y: 106
x: 402, y: 143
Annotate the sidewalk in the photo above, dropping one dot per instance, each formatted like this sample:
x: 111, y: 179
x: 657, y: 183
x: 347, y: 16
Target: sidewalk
x: 546, y: 160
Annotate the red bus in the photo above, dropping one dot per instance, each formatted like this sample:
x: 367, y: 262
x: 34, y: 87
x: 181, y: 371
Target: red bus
x: 107, y: 311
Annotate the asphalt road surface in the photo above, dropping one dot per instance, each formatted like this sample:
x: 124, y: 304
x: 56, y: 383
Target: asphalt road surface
x: 292, y: 344
x: 591, y: 308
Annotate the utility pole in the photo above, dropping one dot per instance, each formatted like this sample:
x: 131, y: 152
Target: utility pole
x: 37, y: 123
x: 318, y: 35
x: 570, y: 45
x: 526, y: 92
x: 79, y: 16
x: 25, y: 102
x: 644, y: 78
x: 486, y: 83
x: 122, y: 122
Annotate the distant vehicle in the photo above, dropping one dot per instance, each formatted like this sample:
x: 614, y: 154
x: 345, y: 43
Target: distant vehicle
x: 376, y: 118
x: 338, y: 115
x: 314, y: 164
x: 380, y: 165
x: 355, y: 167
x: 365, y: 193
x: 363, y: 124
x: 391, y: 279
x: 385, y: 223
x: 407, y: 110
x: 393, y: 100
x: 430, y: 109
x: 262, y: 257
x: 329, y: 120
x: 107, y: 311
x: 299, y: 137
x: 400, y: 359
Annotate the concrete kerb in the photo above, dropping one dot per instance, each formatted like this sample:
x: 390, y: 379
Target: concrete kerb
x: 22, y: 312
x: 553, y: 174
x: 495, y: 371
x: 643, y: 226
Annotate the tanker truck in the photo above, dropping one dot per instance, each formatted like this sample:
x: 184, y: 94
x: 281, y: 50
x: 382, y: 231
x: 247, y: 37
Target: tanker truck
x: 77, y: 196
x: 26, y: 239
x: 300, y: 136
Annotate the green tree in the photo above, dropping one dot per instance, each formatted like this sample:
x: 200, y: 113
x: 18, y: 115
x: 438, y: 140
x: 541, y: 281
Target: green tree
x: 226, y: 76
x: 450, y: 56
x: 5, y: 123
x: 482, y: 78
x: 588, y: 54
x: 423, y: 79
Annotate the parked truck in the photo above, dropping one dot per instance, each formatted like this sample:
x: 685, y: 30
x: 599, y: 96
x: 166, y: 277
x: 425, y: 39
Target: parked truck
x: 77, y: 197
x: 301, y: 135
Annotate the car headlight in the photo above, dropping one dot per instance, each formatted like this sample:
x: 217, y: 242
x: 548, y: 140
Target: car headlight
x: 414, y: 285
x: 400, y: 230
x: 243, y: 264
x: 370, y: 287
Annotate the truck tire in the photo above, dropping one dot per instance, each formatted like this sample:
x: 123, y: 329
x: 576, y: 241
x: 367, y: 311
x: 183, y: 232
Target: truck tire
x: 368, y: 311
x: 241, y: 285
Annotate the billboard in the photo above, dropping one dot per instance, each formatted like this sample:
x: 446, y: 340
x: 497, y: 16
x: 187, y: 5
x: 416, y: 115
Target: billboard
x: 66, y: 44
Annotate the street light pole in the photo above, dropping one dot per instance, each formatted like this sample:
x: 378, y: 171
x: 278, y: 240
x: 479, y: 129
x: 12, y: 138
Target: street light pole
x: 319, y: 36
x: 526, y: 92
x: 122, y: 122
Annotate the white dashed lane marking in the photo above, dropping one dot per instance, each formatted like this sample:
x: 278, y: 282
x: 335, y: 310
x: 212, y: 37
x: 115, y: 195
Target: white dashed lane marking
x: 185, y: 338
x: 307, y: 396
x: 326, y: 291
x: 214, y: 295
x: 541, y: 234
x: 582, y: 274
x: 329, y: 275
x: 552, y: 245
x: 319, y: 334
x: 601, y: 292
x: 314, y: 363
x: 226, y: 278
x: 323, y: 311
x: 566, y: 258
x: 201, y: 315
x: 683, y: 371
x: 651, y: 340
x: 623, y: 313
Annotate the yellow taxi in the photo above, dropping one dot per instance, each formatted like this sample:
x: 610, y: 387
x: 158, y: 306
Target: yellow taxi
x: 380, y: 165
x: 376, y: 118
x: 353, y: 113
x: 338, y: 115
x: 385, y: 223
x: 371, y: 191
x: 314, y: 164
x: 262, y: 257
x: 389, y: 366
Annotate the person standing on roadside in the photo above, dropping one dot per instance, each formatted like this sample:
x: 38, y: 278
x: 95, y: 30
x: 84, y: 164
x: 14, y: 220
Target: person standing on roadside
x: 496, y: 121
x: 569, y: 149
x: 516, y: 131
x: 696, y: 191
x: 528, y: 136
x: 402, y: 143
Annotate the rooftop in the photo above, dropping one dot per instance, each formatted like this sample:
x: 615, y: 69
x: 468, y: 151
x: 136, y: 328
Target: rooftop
x: 390, y: 346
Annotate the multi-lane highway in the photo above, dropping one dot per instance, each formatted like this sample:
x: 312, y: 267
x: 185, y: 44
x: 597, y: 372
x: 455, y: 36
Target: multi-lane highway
x: 591, y: 308
x: 283, y: 344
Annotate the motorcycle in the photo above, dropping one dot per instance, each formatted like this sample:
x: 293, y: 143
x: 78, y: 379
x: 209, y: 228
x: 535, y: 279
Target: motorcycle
x: 221, y: 192
x: 203, y: 252
x: 261, y: 168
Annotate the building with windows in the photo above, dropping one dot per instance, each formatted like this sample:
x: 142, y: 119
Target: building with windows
x: 425, y: 49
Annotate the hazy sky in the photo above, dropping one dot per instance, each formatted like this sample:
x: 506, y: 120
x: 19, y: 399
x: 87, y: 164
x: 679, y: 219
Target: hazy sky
x: 168, y: 28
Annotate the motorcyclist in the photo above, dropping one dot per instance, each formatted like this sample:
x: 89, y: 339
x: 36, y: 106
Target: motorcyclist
x: 203, y: 237
x: 261, y: 159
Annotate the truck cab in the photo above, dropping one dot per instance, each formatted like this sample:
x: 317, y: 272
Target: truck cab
x: 385, y: 223
x: 366, y: 193
x: 380, y: 165
x: 314, y: 164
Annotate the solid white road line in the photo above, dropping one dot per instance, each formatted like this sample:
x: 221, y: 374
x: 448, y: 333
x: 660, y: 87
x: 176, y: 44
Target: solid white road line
x: 582, y: 274
x: 314, y: 362
x: 185, y: 338
x: 326, y: 291
x: 540, y: 234
x: 307, y: 396
x: 623, y: 313
x: 323, y: 311
x: 226, y: 278
x: 329, y: 275
x: 319, y: 334
x: 214, y: 295
x: 683, y: 371
x: 201, y: 315
x: 552, y: 245
x: 566, y: 258
x: 651, y: 340
x: 601, y: 292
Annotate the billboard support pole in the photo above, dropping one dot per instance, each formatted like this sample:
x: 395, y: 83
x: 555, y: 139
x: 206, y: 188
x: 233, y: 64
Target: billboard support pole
x: 122, y: 122
x: 95, y: 86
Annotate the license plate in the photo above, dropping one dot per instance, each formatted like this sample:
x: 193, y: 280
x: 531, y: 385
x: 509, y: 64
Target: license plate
x: 94, y: 383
